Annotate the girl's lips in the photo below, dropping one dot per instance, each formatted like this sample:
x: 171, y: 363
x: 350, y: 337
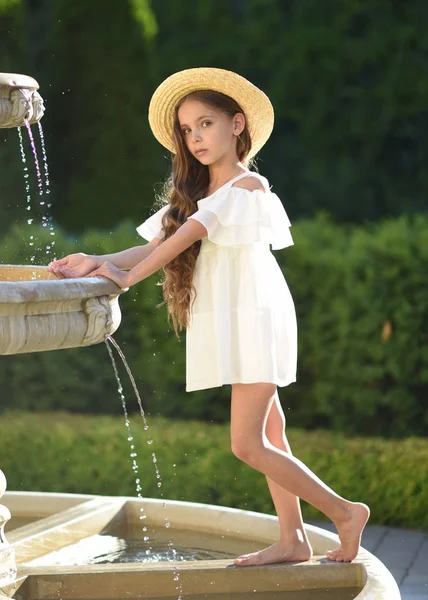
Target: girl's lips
x: 201, y: 151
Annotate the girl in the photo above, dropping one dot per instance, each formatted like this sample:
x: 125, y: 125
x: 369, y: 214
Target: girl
x: 223, y: 284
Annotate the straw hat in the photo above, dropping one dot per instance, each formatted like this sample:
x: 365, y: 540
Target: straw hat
x: 255, y: 104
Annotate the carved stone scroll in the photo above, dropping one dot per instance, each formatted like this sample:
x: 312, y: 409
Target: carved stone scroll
x: 19, y: 100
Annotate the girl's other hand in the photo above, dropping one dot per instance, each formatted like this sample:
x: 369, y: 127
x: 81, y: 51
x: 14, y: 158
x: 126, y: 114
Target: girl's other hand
x: 74, y: 265
x: 107, y: 269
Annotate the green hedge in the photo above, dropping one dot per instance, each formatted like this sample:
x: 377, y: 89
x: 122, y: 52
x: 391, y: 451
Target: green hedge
x: 360, y: 295
x: 73, y: 453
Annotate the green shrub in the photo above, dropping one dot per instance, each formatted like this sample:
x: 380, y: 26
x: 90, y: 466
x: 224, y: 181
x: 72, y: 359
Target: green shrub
x: 60, y: 452
x: 361, y: 296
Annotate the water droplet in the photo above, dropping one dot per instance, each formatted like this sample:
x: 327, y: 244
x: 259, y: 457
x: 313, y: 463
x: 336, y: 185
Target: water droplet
x: 150, y: 441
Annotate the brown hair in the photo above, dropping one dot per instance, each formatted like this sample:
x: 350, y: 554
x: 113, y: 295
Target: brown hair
x: 187, y: 184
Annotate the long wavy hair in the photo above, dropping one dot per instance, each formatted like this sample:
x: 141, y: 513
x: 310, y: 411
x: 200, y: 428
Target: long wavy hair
x: 188, y: 183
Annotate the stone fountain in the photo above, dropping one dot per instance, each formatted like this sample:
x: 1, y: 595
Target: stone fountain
x: 38, y: 311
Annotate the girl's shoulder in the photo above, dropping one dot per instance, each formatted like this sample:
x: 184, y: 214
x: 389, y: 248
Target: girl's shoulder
x: 252, y: 181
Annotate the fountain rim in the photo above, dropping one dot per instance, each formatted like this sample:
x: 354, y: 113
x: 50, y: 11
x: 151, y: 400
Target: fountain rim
x: 39, y: 290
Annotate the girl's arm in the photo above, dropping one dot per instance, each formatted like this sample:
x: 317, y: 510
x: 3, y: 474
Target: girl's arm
x: 185, y: 236
x: 80, y: 264
x: 126, y: 259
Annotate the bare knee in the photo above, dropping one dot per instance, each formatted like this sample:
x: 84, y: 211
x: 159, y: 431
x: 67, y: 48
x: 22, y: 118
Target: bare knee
x: 248, y: 452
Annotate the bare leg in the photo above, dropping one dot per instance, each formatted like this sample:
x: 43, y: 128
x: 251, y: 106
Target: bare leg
x: 251, y: 404
x: 293, y: 544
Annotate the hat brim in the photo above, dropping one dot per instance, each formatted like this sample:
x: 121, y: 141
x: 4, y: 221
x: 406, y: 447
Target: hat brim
x: 256, y: 105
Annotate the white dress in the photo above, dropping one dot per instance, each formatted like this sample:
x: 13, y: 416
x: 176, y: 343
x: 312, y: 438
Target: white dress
x: 243, y: 323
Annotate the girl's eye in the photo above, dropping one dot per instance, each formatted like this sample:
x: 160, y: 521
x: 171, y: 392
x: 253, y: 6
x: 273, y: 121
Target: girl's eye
x: 206, y: 123
x: 185, y: 131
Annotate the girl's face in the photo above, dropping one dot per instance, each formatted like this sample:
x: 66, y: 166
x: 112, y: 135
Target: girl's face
x: 209, y: 133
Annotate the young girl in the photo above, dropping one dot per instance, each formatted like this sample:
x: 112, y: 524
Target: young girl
x: 223, y: 284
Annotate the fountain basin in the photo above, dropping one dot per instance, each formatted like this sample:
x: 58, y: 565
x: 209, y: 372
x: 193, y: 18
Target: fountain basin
x: 366, y: 578
x: 40, y: 312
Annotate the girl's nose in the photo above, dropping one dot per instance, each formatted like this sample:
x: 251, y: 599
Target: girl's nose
x: 196, y: 135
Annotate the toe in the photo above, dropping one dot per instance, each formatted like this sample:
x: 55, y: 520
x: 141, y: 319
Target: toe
x: 247, y: 560
x: 333, y: 555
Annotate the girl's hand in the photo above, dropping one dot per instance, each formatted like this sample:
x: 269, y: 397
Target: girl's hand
x: 106, y: 269
x: 74, y: 265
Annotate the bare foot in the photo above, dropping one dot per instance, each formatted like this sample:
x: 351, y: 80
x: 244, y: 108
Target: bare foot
x: 350, y: 533
x: 277, y: 553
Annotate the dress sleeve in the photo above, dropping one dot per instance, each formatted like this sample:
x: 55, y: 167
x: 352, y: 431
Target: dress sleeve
x: 239, y: 216
x: 152, y: 227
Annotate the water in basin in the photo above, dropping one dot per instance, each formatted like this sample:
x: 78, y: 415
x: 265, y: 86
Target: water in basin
x: 124, y: 543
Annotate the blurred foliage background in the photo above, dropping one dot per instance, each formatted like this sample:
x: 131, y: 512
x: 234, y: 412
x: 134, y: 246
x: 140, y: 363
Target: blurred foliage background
x: 349, y: 84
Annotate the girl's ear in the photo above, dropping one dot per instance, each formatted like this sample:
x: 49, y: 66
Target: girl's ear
x: 238, y: 123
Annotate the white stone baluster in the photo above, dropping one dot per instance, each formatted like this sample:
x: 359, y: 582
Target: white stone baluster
x: 7, y: 554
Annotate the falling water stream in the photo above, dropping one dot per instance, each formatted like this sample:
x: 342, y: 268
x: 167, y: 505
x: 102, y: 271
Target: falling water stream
x: 42, y: 187
x: 172, y: 553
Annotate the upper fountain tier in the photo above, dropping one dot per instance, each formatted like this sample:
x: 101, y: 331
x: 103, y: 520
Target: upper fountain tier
x: 40, y: 312
x: 19, y: 100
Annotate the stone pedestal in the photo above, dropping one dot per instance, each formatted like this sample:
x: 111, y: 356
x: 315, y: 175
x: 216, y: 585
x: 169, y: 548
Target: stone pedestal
x: 7, y: 554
